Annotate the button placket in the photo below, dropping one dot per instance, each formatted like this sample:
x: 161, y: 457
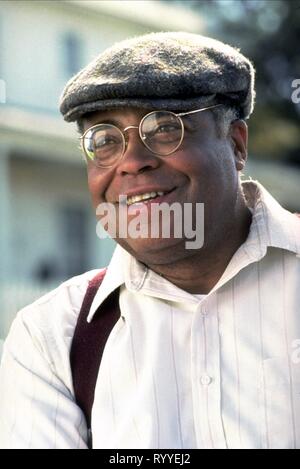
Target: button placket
x: 208, y: 374
x: 206, y: 380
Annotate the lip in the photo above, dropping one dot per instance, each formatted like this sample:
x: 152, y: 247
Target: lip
x: 145, y: 190
x: 145, y: 205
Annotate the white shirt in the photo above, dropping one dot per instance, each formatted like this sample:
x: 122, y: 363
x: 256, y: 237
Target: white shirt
x: 178, y: 371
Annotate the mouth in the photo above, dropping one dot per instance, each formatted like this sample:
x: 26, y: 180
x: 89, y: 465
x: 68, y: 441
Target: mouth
x: 147, y: 197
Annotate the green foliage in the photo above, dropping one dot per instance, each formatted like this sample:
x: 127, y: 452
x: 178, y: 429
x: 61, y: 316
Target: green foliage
x: 268, y: 32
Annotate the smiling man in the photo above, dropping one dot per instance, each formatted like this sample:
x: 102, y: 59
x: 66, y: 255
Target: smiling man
x: 192, y: 173
x: 169, y: 347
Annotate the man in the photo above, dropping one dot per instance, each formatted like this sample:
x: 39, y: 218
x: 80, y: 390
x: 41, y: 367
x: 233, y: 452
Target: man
x: 203, y: 355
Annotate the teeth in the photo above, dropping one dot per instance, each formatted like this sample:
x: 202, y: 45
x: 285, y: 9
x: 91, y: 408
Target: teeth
x: 138, y: 198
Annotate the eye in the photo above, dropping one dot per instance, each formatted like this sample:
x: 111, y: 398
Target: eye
x: 166, y: 128
x: 162, y: 129
x: 104, y: 141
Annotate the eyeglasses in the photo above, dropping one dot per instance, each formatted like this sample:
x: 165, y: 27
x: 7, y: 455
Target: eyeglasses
x: 162, y: 132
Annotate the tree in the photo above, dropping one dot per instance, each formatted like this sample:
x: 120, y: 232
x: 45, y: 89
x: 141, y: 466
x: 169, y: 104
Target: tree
x: 267, y: 31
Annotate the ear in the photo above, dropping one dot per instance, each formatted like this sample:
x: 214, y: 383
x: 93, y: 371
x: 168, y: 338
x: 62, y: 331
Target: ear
x: 238, y: 134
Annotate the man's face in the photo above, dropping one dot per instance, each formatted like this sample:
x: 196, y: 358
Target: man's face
x: 203, y: 170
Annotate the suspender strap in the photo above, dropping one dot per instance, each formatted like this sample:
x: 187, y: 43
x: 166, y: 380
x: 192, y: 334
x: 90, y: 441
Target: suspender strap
x: 88, y: 343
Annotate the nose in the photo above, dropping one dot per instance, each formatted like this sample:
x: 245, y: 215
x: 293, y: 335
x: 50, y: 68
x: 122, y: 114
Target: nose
x: 137, y: 158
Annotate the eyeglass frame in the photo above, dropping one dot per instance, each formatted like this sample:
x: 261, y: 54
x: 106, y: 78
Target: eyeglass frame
x: 125, y: 138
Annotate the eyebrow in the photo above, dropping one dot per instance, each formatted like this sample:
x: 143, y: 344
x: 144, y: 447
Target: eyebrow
x: 116, y: 122
x: 109, y: 121
x: 189, y: 119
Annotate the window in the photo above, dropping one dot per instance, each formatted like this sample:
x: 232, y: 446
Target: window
x: 74, y: 246
x: 72, y: 50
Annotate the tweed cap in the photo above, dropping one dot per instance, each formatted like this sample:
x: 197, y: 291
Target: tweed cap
x: 168, y: 70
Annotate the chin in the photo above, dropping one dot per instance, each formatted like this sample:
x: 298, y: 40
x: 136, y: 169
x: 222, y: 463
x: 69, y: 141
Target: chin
x: 155, y: 251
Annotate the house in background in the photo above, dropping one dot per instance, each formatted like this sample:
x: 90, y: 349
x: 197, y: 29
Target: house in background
x: 48, y: 227
x: 47, y: 224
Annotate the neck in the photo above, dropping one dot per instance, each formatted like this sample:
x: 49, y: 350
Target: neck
x: 199, y: 273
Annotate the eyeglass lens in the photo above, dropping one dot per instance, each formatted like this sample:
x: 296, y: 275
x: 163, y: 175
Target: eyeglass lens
x: 161, y: 133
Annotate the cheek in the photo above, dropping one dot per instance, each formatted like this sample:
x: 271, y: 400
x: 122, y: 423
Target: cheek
x: 199, y: 163
x: 215, y: 161
x: 98, y: 184
x: 210, y: 169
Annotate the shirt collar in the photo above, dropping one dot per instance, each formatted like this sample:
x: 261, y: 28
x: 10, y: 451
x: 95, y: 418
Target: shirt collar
x: 125, y: 269
x: 272, y: 226
x: 113, y: 279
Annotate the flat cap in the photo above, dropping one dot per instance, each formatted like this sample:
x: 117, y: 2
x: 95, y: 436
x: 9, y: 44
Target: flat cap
x: 167, y: 70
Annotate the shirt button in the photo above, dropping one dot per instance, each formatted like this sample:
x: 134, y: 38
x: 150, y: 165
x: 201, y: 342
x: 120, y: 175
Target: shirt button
x: 205, y: 380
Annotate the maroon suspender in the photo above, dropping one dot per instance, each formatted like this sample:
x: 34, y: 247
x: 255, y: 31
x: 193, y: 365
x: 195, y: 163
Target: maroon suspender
x: 89, y: 341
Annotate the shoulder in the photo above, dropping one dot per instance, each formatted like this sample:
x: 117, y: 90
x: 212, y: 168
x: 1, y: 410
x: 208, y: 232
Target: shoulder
x: 61, y: 305
x: 47, y: 325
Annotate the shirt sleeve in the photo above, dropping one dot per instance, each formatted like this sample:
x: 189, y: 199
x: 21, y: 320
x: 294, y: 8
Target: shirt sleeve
x: 37, y: 409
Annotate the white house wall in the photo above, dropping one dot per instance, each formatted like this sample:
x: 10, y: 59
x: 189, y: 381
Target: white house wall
x: 33, y: 65
x: 40, y: 167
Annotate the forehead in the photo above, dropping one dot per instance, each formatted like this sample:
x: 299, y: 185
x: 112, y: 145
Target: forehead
x: 119, y: 115
x: 132, y: 116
